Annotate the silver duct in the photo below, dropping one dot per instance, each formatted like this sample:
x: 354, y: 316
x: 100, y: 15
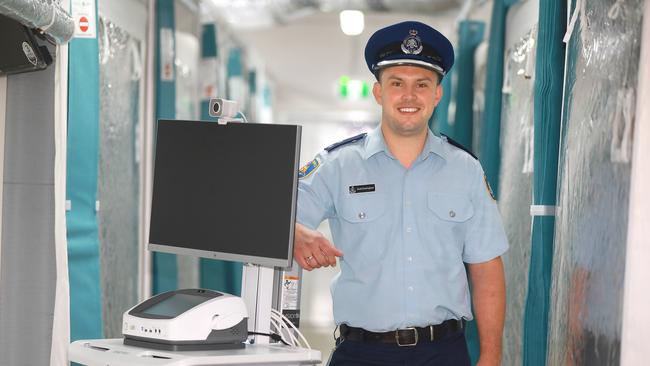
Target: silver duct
x: 259, y: 12
x: 46, y: 15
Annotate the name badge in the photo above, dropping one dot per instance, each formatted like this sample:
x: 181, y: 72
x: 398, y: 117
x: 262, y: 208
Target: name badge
x: 362, y: 188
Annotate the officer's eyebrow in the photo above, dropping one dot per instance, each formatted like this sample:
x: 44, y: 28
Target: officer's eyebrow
x: 396, y: 77
x: 425, y: 79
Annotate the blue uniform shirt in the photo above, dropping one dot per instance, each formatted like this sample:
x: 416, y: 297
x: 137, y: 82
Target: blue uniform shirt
x: 404, y: 233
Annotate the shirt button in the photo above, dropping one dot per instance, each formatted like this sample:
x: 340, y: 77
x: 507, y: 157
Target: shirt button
x: 410, y: 259
x: 408, y: 229
x: 452, y: 213
x: 410, y: 288
x: 362, y: 215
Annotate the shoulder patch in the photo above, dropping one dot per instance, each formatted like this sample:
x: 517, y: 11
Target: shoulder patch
x: 345, y: 142
x: 308, y: 168
x: 458, y: 145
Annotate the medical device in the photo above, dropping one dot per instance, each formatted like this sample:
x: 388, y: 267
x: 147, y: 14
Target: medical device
x: 187, y: 320
x: 21, y: 50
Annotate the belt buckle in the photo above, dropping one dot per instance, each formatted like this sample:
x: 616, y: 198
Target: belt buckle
x: 397, y: 333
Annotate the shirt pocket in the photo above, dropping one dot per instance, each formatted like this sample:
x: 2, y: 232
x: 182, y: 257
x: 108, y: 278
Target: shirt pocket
x: 448, y: 222
x: 363, y: 208
x: 453, y: 208
x: 364, y: 235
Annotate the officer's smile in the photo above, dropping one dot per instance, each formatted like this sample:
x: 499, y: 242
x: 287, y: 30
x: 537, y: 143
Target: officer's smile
x: 408, y: 109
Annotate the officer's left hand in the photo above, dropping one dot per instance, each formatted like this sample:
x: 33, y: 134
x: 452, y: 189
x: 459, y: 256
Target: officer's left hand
x: 312, y: 250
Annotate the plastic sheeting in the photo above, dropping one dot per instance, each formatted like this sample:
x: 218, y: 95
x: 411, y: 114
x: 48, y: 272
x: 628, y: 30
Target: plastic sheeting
x: 515, y: 195
x: 591, y: 226
x: 118, y: 181
x: 46, y: 15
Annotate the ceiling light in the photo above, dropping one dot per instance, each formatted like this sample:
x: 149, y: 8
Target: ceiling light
x: 351, y: 22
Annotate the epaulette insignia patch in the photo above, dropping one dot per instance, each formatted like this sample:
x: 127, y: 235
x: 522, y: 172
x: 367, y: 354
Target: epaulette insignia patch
x: 458, y: 145
x: 345, y: 142
x: 308, y: 168
x: 487, y: 185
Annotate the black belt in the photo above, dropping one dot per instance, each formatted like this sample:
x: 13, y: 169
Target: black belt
x: 403, y: 337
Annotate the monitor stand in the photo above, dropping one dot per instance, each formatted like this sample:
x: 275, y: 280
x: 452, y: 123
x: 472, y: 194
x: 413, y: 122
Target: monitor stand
x: 257, y: 293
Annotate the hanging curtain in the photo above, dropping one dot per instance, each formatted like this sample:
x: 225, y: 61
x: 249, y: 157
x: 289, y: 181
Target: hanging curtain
x: 439, y: 121
x: 547, y: 120
x: 209, y: 69
x: 470, y: 34
x: 491, y: 126
x: 83, y: 241
x: 165, y: 268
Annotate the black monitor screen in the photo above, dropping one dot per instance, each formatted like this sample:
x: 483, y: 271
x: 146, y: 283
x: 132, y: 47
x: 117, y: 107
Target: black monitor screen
x: 225, y: 191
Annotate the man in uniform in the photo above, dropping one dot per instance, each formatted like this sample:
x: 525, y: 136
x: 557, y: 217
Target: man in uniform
x: 407, y: 211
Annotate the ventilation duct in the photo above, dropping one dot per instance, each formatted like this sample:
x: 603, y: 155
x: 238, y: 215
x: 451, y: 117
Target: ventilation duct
x: 259, y: 14
x: 46, y: 15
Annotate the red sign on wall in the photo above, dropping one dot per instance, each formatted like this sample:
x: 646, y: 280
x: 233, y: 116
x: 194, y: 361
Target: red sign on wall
x: 83, y: 24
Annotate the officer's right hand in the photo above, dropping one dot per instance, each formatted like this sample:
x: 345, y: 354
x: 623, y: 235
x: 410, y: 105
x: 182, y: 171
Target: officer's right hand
x: 312, y: 250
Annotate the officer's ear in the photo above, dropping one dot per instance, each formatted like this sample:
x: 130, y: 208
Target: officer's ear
x: 438, y: 95
x: 376, y: 92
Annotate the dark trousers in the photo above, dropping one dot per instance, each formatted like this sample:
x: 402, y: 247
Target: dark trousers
x: 450, y: 350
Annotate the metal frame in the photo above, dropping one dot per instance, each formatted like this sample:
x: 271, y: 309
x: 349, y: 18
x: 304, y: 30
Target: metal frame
x: 3, y: 110
x: 262, y: 261
x: 257, y: 293
x: 146, y: 166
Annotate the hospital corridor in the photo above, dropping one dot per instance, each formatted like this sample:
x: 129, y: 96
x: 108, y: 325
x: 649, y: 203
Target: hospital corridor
x: 324, y: 182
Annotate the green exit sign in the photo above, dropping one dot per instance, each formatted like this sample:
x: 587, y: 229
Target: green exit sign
x: 353, y: 89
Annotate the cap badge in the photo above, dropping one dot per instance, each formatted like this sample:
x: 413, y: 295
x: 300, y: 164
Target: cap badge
x: 412, y: 44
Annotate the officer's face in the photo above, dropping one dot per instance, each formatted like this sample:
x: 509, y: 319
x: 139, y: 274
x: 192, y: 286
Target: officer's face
x: 408, y: 95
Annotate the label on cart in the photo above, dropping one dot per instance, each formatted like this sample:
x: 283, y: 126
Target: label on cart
x: 290, y: 292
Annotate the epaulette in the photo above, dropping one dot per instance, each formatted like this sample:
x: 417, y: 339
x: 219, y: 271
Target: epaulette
x: 336, y: 145
x: 458, y: 145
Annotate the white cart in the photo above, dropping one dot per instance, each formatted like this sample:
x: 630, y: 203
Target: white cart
x: 113, y: 352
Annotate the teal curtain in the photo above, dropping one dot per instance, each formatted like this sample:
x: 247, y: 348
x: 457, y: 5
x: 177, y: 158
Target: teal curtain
x: 81, y: 187
x: 165, y: 269
x: 491, y: 126
x: 549, y: 75
x: 209, y: 50
x: 470, y: 35
x: 489, y: 153
x: 439, y: 121
x: 216, y: 274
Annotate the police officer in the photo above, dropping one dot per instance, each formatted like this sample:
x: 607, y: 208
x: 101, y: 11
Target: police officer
x: 407, y: 210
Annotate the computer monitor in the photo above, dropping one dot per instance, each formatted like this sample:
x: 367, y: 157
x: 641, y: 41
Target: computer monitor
x: 225, y: 191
